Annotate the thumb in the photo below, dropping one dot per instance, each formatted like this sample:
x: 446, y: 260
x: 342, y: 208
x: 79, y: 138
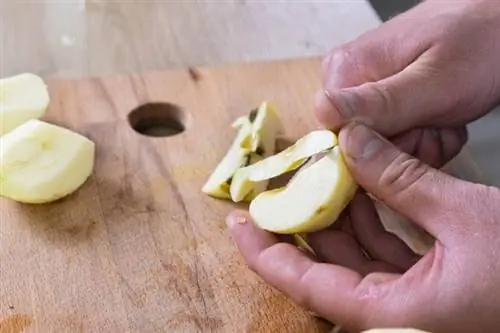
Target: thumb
x: 422, y: 194
x: 408, y: 99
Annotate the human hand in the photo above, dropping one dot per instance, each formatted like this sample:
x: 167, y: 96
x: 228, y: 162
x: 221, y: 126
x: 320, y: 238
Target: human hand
x: 453, y: 288
x: 433, y: 67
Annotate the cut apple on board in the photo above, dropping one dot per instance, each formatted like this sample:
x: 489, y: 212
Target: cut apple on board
x: 22, y: 97
x: 41, y: 162
x: 256, y: 139
x: 252, y: 178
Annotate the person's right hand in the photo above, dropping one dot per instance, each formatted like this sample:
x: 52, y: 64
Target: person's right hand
x: 372, y: 279
x: 420, y: 77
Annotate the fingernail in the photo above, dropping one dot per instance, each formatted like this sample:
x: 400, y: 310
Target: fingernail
x: 235, y: 219
x: 362, y: 142
x: 343, y: 99
x: 333, y: 108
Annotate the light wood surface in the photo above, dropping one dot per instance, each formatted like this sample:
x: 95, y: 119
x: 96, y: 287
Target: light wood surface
x: 140, y: 248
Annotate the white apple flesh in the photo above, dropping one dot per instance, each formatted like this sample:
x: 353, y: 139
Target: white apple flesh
x: 253, y: 178
x: 22, y: 97
x: 256, y: 139
x: 42, y: 163
x: 312, y: 201
x: 236, y: 157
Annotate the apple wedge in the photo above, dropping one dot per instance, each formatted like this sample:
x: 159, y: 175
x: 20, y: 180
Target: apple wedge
x: 256, y: 139
x: 41, y: 162
x: 301, y: 242
x: 311, y: 201
x: 253, y: 179
x: 22, y: 97
x: 265, y: 130
x: 237, y: 156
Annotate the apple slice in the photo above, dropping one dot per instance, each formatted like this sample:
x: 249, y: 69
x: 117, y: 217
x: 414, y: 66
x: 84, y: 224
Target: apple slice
x: 22, y: 97
x: 41, y: 162
x: 266, y: 128
x: 311, y: 201
x: 253, y: 179
x: 301, y: 242
x: 256, y: 138
x: 236, y: 157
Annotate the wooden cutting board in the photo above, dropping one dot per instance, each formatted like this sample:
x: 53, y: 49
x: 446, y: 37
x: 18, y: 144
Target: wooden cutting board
x: 139, y: 248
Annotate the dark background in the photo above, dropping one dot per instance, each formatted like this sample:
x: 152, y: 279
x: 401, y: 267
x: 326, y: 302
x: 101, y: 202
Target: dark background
x: 389, y: 8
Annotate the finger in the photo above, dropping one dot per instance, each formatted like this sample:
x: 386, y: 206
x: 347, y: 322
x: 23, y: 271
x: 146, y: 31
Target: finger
x: 400, y: 102
x: 328, y: 290
x: 380, y: 244
x: 405, y: 184
x: 435, y: 147
x: 368, y: 59
x: 342, y: 249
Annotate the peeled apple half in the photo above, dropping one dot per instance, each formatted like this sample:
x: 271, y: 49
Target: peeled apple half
x: 41, y: 162
x: 22, y: 97
x: 256, y: 139
x: 311, y: 201
x: 246, y: 180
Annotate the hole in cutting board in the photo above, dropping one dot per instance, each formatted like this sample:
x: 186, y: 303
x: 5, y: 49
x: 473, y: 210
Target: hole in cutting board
x: 158, y: 119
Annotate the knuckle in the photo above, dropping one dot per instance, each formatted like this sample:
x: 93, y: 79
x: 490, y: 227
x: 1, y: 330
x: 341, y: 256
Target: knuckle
x: 253, y: 261
x: 252, y: 264
x: 344, y: 61
x: 384, y: 98
x: 301, y: 294
x: 400, y: 176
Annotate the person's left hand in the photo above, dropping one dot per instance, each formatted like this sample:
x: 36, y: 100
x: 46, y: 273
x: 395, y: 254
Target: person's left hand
x: 435, y: 147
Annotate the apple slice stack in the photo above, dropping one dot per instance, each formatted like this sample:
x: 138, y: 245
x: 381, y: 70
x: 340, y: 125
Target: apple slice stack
x: 311, y: 201
x: 39, y: 162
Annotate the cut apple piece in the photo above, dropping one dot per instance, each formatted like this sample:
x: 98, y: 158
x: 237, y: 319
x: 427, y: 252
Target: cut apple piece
x: 253, y: 178
x: 312, y: 201
x: 237, y: 156
x: 265, y: 130
x: 41, y: 162
x: 256, y: 139
x: 22, y: 97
